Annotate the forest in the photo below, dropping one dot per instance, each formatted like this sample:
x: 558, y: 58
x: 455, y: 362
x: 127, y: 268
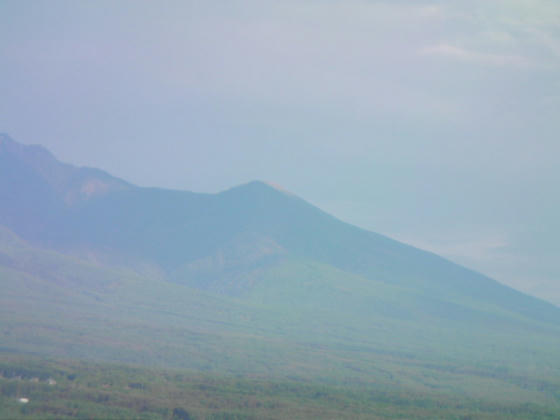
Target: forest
x: 58, y: 389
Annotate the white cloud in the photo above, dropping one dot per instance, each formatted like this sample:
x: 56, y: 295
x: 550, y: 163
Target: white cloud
x: 431, y: 11
x: 480, y: 248
x: 458, y: 53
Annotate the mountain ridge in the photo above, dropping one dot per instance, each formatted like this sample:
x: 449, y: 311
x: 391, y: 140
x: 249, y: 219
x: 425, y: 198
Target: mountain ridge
x: 256, y: 224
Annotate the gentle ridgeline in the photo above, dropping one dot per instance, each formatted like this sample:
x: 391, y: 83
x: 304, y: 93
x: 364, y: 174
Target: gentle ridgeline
x: 252, y: 281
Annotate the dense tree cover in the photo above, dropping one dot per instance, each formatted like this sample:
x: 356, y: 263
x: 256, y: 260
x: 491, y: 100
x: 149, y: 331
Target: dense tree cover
x: 89, y: 390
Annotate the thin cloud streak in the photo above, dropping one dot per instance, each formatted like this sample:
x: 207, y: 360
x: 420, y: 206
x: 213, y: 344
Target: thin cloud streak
x: 454, y: 52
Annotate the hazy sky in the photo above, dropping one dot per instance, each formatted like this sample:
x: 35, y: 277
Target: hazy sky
x: 436, y: 123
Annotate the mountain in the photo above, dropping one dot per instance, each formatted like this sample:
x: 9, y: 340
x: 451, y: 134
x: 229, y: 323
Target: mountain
x: 218, y: 241
x: 252, y: 280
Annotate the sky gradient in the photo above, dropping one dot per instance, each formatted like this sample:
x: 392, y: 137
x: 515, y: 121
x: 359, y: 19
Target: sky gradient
x: 435, y: 123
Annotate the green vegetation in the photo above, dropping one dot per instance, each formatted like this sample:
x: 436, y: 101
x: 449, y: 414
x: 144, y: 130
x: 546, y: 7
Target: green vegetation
x: 88, y: 390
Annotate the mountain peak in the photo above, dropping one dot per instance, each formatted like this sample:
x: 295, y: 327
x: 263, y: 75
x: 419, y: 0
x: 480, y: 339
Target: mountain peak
x: 277, y: 187
x: 7, y: 143
x: 5, y: 138
x: 261, y: 186
x: 31, y: 153
x: 67, y: 181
